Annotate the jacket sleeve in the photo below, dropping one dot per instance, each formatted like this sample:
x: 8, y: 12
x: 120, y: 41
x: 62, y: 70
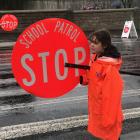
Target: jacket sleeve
x: 111, y: 92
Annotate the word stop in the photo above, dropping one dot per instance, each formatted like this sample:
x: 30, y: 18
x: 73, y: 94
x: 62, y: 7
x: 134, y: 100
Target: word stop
x: 43, y: 58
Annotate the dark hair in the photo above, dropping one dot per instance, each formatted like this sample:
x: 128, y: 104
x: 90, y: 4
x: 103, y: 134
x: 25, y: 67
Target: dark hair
x: 104, y: 37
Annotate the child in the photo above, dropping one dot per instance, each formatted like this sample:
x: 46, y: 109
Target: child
x: 105, y: 87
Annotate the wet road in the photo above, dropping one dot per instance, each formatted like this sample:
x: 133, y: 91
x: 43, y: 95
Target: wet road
x: 73, y: 104
x: 131, y: 131
x: 26, y: 108
x: 80, y: 134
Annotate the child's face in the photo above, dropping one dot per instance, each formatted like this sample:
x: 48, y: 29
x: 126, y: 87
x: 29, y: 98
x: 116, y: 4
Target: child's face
x: 96, y: 46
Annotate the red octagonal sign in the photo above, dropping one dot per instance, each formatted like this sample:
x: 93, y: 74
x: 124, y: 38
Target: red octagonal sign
x: 40, y: 53
x: 126, y: 29
x: 9, y: 22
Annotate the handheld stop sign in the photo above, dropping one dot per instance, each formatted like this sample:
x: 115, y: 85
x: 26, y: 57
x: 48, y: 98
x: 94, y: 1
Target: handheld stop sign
x: 40, y: 53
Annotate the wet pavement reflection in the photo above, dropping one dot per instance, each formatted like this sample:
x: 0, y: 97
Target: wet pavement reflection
x: 17, y: 108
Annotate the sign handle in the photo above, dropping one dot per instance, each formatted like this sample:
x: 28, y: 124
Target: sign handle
x: 85, y: 67
x: 70, y: 65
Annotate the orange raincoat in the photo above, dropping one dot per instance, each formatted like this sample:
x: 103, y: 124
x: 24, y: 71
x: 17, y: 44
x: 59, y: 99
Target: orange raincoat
x: 105, y: 87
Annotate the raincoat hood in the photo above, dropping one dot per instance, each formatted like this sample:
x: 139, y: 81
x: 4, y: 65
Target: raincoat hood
x: 104, y: 60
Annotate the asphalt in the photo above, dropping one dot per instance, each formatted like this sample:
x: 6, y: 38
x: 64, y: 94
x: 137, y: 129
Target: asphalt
x: 77, y: 134
x: 21, y: 112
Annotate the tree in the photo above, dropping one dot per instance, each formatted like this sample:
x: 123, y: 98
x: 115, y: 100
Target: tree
x: 127, y: 3
x: 12, y: 4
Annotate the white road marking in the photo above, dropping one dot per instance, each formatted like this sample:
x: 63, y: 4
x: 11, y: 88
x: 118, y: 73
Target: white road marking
x: 20, y: 130
x: 127, y: 93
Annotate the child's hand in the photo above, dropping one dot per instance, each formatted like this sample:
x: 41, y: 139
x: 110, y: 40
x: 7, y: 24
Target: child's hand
x: 81, y: 80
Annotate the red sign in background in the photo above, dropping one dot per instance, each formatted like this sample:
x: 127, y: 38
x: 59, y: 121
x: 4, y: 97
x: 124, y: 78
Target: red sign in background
x: 126, y: 29
x: 8, y: 22
x: 40, y: 53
